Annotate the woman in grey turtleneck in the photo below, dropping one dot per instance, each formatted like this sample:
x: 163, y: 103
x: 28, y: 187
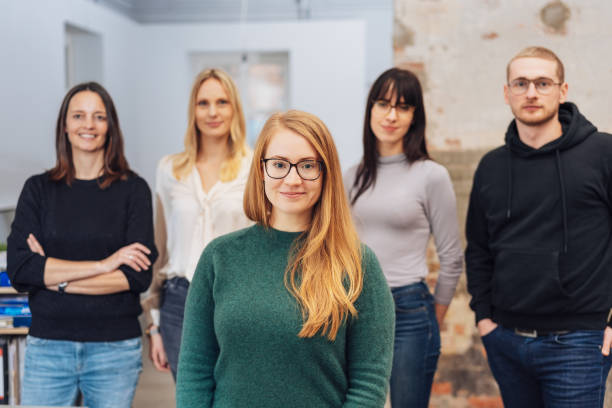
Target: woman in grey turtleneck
x: 399, y: 197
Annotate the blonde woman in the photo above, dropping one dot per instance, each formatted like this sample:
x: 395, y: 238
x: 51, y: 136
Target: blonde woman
x: 199, y: 196
x: 293, y: 311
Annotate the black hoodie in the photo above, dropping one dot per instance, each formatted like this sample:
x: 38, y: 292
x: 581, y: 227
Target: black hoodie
x: 539, y: 230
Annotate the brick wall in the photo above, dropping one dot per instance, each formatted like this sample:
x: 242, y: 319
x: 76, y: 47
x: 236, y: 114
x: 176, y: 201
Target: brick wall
x: 463, y: 378
x: 459, y: 49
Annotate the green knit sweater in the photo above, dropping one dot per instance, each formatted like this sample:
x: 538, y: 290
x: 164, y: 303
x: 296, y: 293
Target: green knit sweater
x: 240, y: 344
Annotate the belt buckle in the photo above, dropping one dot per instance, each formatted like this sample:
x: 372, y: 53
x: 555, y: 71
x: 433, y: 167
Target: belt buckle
x: 526, y: 333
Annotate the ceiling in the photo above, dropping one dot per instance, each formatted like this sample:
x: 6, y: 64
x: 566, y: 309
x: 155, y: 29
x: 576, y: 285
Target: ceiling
x: 185, y: 11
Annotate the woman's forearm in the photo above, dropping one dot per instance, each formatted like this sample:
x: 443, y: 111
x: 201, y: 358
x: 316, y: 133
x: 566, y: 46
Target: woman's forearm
x: 440, y: 313
x: 61, y: 270
x: 134, y: 255
x: 102, y: 284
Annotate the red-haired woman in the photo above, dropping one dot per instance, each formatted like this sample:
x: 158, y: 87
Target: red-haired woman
x: 293, y: 311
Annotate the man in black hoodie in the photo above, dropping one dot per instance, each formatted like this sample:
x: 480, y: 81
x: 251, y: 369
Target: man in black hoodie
x: 539, y: 254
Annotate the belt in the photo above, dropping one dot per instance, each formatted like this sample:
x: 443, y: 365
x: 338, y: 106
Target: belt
x: 538, y: 333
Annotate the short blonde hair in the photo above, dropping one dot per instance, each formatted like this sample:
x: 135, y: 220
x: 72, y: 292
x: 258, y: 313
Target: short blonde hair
x: 538, y: 52
x: 324, y: 274
x: 184, y: 162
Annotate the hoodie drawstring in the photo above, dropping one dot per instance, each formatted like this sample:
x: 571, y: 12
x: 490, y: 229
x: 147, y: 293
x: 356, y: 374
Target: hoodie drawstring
x: 563, y: 200
x: 509, y: 206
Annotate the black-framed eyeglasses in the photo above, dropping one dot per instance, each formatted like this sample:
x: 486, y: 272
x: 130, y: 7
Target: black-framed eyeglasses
x: 543, y: 85
x: 384, y: 106
x: 280, y: 168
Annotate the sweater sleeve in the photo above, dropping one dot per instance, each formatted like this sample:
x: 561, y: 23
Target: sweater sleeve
x: 25, y: 268
x: 140, y: 229
x: 441, y: 208
x: 478, y: 258
x: 195, y: 384
x: 151, y: 302
x: 348, y: 178
x: 370, y: 339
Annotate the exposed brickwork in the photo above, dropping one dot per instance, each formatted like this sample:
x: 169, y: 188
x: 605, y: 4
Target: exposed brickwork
x: 459, y: 50
x: 485, y: 402
x: 463, y: 379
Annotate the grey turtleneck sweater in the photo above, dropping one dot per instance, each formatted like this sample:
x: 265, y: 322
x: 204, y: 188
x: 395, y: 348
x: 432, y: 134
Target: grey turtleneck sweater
x: 396, y: 216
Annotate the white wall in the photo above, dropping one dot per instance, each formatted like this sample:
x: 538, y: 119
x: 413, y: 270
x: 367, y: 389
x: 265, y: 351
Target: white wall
x: 327, y: 73
x: 464, y: 46
x: 146, y: 69
x: 32, y: 79
x: 379, y: 47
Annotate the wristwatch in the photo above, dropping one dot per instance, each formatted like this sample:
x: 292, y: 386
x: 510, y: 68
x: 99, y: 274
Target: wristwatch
x: 151, y: 331
x: 61, y: 288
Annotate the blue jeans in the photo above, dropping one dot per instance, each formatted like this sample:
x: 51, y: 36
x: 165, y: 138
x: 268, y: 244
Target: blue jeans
x: 171, y: 314
x: 560, y: 371
x: 417, y: 346
x: 106, y: 373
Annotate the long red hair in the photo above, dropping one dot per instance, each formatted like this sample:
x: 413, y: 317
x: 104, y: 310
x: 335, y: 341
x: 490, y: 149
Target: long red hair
x: 324, y: 274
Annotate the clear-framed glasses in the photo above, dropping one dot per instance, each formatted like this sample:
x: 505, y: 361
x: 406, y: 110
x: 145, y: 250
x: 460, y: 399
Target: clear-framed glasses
x: 383, y: 107
x: 543, y: 86
x: 306, y: 169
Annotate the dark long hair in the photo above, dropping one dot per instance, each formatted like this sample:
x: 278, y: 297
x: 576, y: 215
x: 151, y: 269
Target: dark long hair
x: 407, y: 86
x: 115, y: 165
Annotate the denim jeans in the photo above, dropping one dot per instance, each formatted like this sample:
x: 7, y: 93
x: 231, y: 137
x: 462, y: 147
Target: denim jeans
x: 560, y: 371
x: 171, y: 318
x: 417, y: 346
x: 106, y: 373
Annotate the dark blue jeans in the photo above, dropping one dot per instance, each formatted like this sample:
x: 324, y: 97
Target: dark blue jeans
x: 171, y: 318
x: 417, y: 346
x: 553, y: 371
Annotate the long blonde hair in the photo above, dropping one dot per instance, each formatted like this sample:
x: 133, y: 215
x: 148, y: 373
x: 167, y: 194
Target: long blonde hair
x: 182, y: 163
x: 324, y: 273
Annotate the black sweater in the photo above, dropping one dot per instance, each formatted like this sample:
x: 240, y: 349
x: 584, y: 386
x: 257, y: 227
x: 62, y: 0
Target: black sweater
x: 81, y: 222
x: 539, y: 230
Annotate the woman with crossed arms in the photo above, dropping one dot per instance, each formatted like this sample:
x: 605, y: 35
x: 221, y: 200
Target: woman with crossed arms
x: 82, y: 246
